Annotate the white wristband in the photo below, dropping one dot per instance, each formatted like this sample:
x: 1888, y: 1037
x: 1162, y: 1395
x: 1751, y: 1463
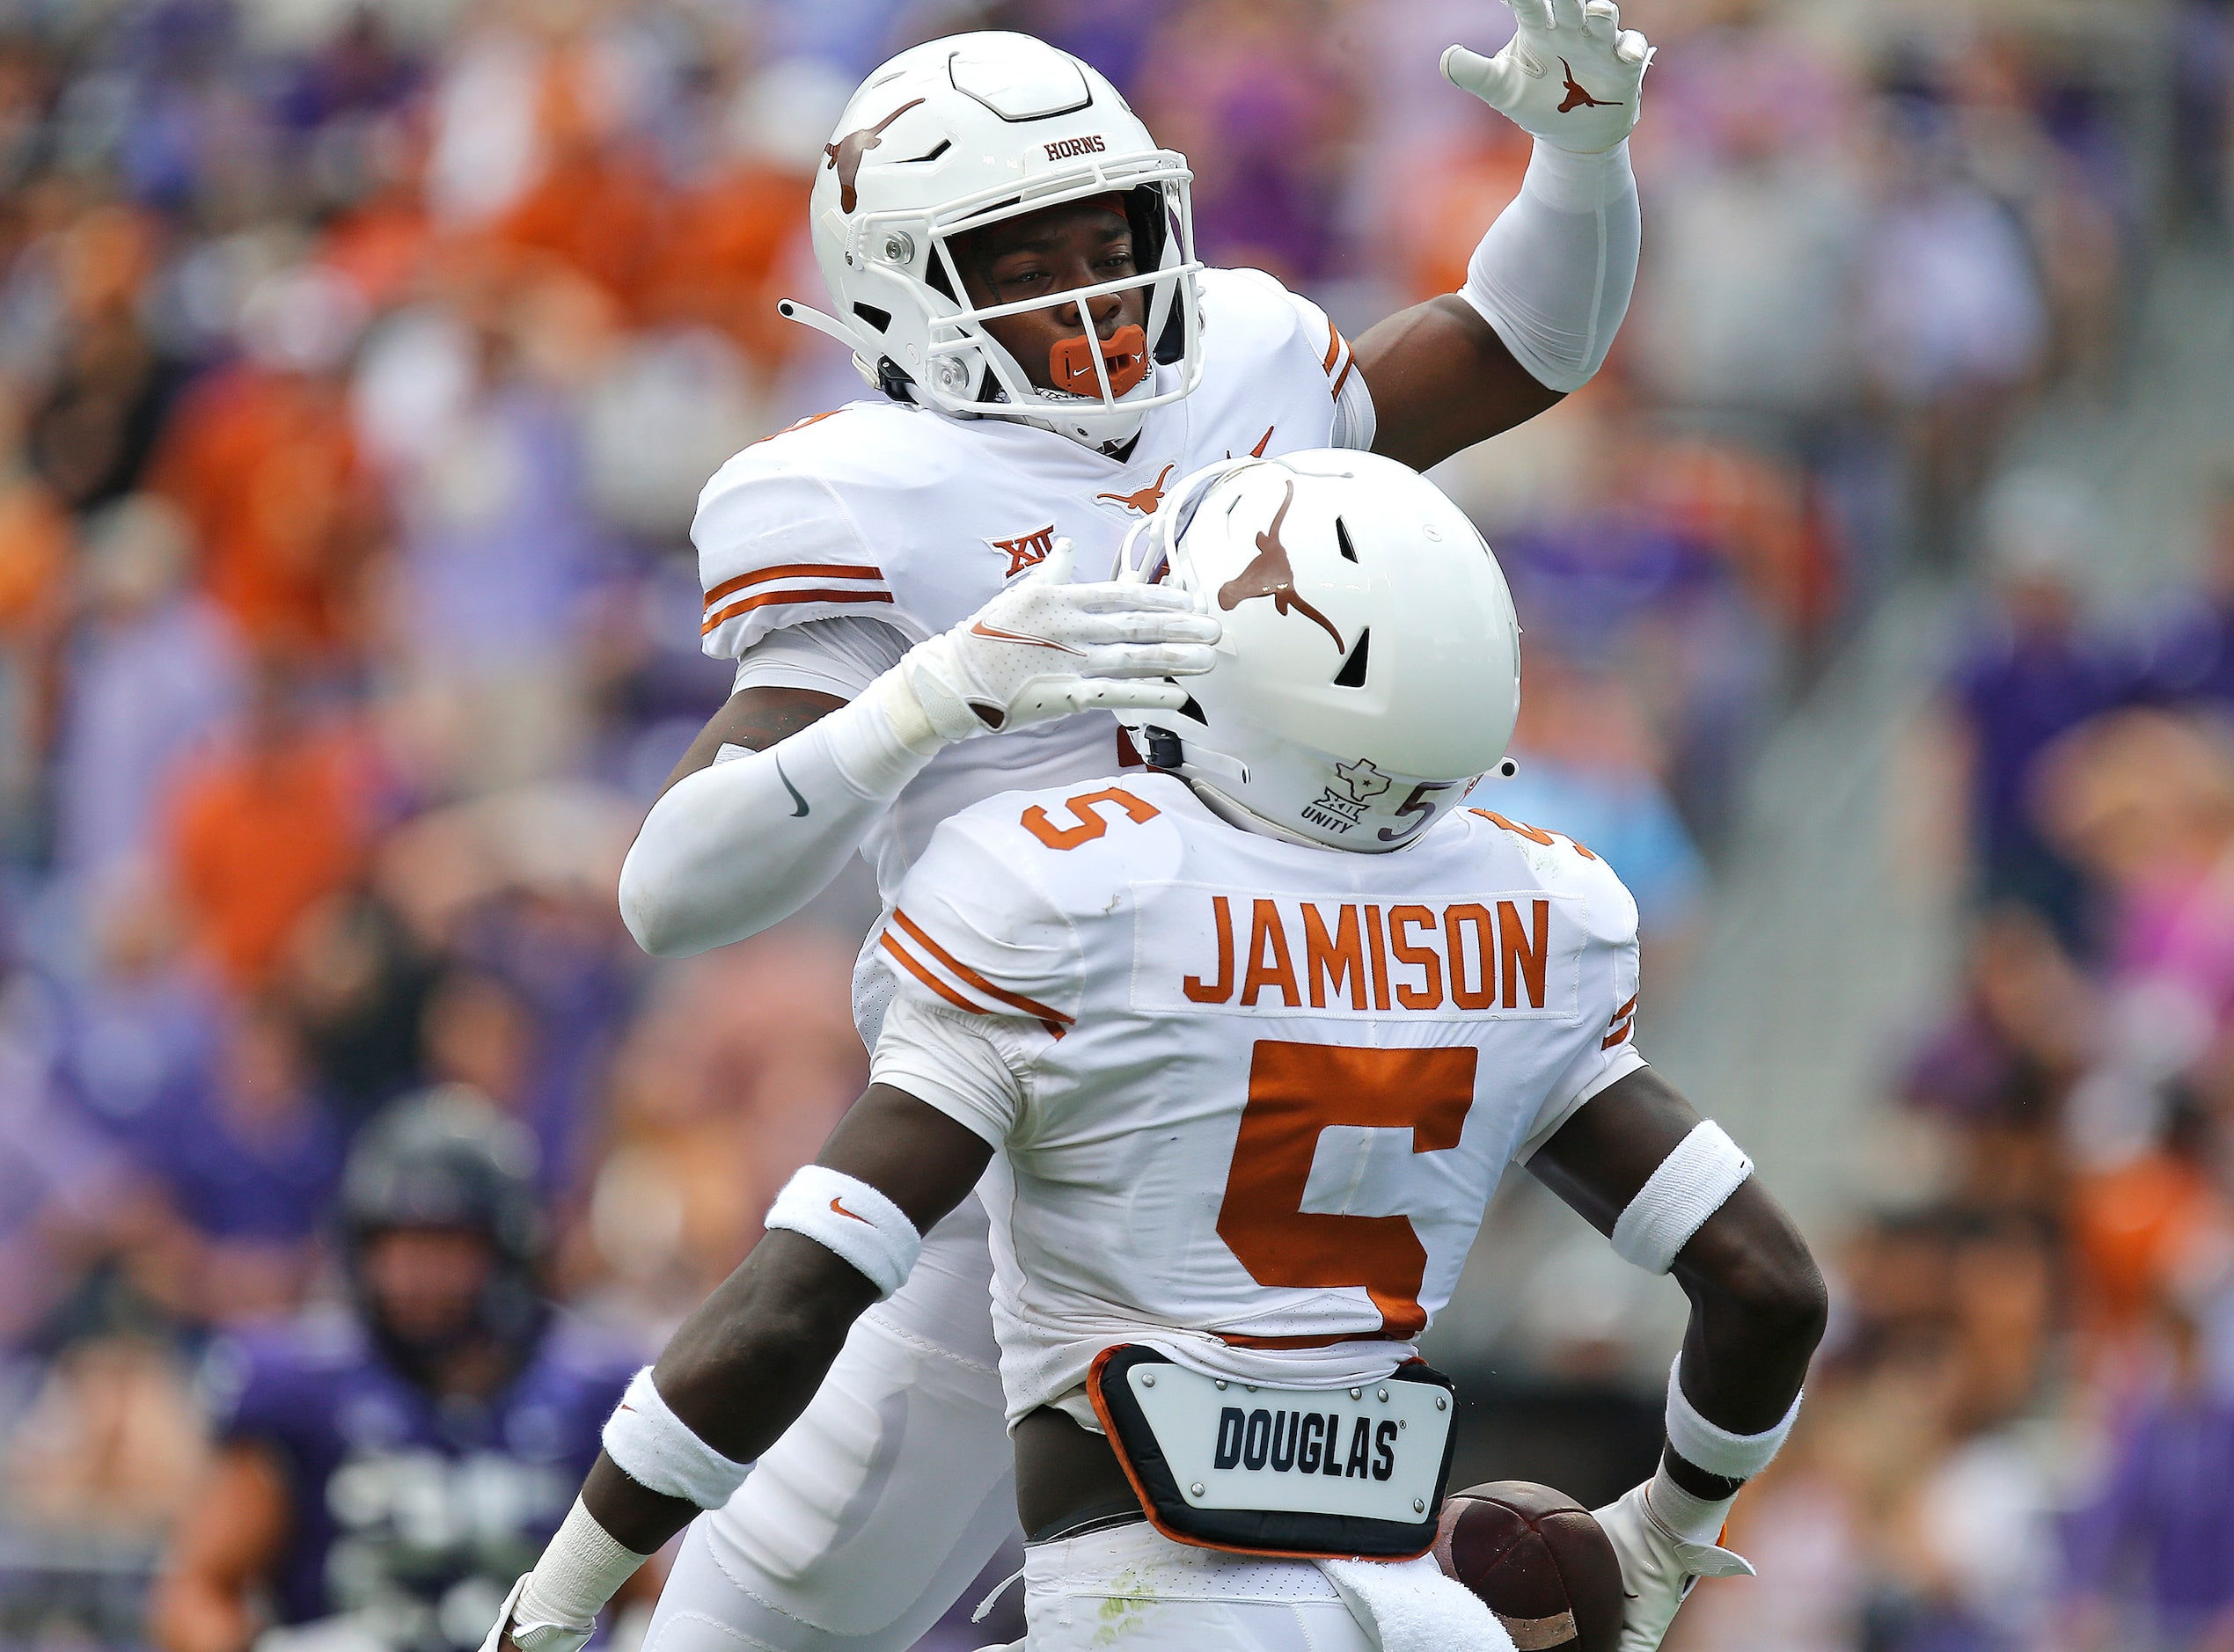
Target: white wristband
x: 583, y: 1567
x: 845, y: 1215
x: 660, y: 1452
x: 1693, y: 1519
x: 1707, y: 1445
x: 1691, y: 1184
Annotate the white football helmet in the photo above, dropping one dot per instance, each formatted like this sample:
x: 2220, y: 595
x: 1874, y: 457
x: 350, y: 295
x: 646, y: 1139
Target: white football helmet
x: 962, y: 132
x: 1370, y: 668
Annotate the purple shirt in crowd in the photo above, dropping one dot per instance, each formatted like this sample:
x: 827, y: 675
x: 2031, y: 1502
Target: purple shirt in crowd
x: 418, y: 1511
x: 2168, y: 1504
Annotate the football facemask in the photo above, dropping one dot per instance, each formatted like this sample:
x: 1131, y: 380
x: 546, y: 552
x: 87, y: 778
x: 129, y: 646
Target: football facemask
x: 950, y: 138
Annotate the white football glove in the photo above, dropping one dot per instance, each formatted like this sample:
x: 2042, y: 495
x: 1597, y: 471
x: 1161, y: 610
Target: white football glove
x: 1658, y: 1567
x: 1045, y: 648
x: 1570, y: 74
x: 540, y: 1637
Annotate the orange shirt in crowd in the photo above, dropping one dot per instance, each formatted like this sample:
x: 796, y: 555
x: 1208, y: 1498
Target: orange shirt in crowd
x: 598, y: 214
x: 2132, y: 1229
x: 728, y: 248
x: 257, y: 835
x: 265, y: 467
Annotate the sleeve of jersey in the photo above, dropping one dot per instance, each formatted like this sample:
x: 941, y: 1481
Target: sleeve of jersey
x: 1316, y: 335
x: 973, y: 933
x: 1605, y: 1043
x: 777, y: 547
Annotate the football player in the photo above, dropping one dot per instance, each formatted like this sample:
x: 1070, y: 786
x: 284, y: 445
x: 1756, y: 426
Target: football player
x: 1010, y: 257
x: 1249, y: 1039
x: 380, y: 1477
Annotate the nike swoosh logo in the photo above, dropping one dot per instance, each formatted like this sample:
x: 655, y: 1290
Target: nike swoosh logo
x: 981, y: 628
x: 799, y: 813
x: 842, y: 1210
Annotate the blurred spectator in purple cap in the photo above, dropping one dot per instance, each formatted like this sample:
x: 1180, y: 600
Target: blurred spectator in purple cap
x: 2031, y: 669
x: 248, y: 1158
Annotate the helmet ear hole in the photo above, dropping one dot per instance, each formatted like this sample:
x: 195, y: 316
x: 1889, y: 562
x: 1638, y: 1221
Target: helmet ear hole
x: 1341, y: 544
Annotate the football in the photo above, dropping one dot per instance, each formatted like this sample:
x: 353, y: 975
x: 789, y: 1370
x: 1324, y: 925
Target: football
x: 1537, y: 1558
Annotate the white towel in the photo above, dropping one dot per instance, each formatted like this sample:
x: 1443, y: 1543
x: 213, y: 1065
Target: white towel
x: 1411, y: 1607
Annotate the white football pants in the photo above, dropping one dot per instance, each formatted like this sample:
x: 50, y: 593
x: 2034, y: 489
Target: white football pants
x: 862, y: 1524
x: 1132, y: 1587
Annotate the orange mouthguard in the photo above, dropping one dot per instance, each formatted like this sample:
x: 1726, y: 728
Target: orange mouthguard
x: 1070, y: 363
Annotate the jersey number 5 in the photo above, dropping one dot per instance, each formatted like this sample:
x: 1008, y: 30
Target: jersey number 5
x: 1296, y: 1092
x: 1040, y: 824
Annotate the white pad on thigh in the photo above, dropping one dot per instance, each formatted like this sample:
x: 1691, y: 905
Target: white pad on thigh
x: 1130, y: 1586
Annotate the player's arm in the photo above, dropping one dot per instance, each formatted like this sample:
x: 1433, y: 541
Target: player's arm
x: 733, y: 846
x: 1547, y: 286
x: 741, y: 1368
x: 222, y: 1556
x: 1675, y: 1195
x: 753, y: 719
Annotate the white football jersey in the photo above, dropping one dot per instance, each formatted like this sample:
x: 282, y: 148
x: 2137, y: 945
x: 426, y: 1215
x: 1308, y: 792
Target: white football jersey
x: 887, y: 511
x: 1251, y: 1097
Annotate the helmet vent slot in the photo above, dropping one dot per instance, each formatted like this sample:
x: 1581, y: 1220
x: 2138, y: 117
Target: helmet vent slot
x: 880, y: 319
x: 1192, y: 709
x: 1342, y: 543
x: 1353, y: 674
x: 930, y: 154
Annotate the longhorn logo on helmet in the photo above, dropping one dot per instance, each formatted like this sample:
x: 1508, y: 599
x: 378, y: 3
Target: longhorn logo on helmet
x: 1269, y: 574
x: 845, y: 157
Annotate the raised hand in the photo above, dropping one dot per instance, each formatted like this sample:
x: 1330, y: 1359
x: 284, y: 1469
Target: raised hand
x: 1570, y: 74
x: 1045, y: 648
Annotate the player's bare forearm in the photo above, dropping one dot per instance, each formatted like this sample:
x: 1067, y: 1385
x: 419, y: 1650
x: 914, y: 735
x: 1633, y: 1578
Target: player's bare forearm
x: 756, y: 719
x: 1758, y: 1304
x: 1441, y: 380
x: 740, y: 1369
x: 224, y: 1557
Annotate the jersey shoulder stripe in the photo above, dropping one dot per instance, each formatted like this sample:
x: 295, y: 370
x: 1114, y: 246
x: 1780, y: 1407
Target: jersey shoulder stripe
x: 1252, y: 313
x: 914, y: 949
x: 862, y: 584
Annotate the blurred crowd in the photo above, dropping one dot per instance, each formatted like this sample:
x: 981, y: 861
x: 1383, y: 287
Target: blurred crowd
x: 359, y: 366
x: 2021, y: 1433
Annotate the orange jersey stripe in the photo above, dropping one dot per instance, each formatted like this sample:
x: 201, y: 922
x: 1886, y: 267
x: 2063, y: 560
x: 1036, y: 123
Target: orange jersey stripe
x: 1015, y: 1000
x: 1344, y: 379
x: 1335, y: 341
x: 926, y: 977
x: 745, y: 605
x: 792, y: 571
